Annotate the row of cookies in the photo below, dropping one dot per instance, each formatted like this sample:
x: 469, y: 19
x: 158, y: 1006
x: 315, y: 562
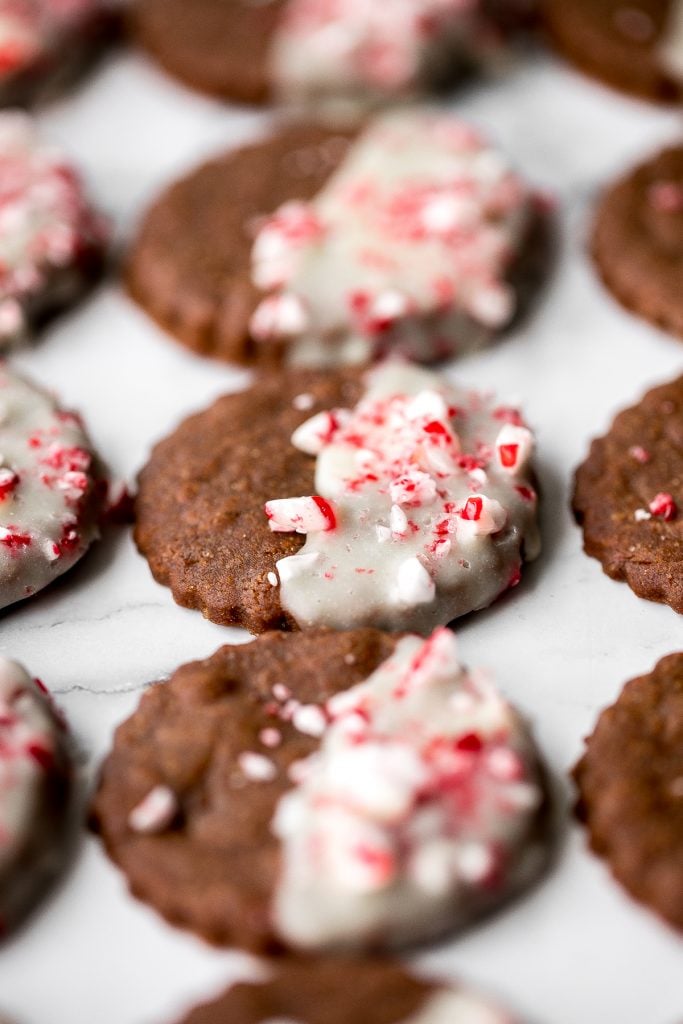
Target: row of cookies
x: 357, y: 55
x: 156, y: 805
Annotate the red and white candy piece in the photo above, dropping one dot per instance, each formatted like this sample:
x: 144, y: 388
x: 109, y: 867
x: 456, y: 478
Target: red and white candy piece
x: 514, y: 448
x: 300, y: 515
x: 480, y: 516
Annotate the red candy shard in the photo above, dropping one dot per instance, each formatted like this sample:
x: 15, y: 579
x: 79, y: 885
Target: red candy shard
x: 664, y: 507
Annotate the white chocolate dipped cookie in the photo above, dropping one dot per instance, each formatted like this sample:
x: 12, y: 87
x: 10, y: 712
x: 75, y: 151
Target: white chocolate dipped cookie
x: 424, y: 507
x: 51, y: 489
x: 52, y: 241
x: 325, y: 791
x: 408, y: 249
x: 35, y: 771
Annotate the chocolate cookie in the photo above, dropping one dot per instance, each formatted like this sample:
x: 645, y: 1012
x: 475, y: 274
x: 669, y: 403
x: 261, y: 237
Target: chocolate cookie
x: 355, y: 54
x: 419, y: 508
x: 628, y: 497
x: 324, y: 791
x: 636, y: 46
x: 51, y: 490
x: 52, y: 242
x: 423, y: 242
x: 35, y: 785
x: 45, y: 45
x: 638, y: 240
x: 630, y: 781
x: 340, y: 991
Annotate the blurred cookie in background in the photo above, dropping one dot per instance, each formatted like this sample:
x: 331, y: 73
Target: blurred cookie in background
x: 633, y: 45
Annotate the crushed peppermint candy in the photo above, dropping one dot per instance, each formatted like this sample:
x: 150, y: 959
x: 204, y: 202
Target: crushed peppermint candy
x: 49, y: 489
x: 416, y: 811
x: 663, y: 507
x: 47, y: 228
x: 407, y: 249
x: 257, y: 767
x: 425, y: 502
x: 31, y: 31
x: 155, y: 812
x: 361, y: 51
x: 34, y: 767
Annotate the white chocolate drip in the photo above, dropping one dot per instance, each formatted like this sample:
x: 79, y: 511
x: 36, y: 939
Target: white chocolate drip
x: 407, y: 249
x: 415, y: 813
x: 416, y: 519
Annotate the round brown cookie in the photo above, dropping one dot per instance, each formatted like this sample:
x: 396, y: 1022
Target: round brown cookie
x: 341, y: 991
x: 219, y: 46
x: 215, y: 871
x: 637, y: 240
x: 630, y: 781
x: 190, y: 267
x: 199, y: 511
x: 628, y: 497
x: 617, y: 42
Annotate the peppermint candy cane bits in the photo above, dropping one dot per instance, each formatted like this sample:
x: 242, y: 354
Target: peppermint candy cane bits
x: 415, y: 237
x: 358, y: 52
x: 424, y: 508
x: 403, y: 799
x: 35, y: 784
x: 45, y: 45
x: 51, y: 489
x: 390, y: 499
x: 52, y: 242
x: 409, y: 248
x: 338, y: 990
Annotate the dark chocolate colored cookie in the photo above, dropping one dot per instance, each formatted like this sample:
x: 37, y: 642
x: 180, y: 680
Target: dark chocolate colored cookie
x: 340, y: 991
x: 630, y: 781
x: 621, y: 43
x: 628, y: 497
x: 199, y: 509
x: 215, y: 870
x: 190, y: 266
x: 219, y: 46
x: 254, y: 802
x: 638, y: 240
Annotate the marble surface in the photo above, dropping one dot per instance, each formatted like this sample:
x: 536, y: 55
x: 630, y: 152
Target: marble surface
x: 576, y: 949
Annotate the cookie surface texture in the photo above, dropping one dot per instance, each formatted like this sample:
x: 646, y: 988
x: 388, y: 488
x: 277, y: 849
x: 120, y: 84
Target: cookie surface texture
x: 630, y: 783
x: 35, y: 781
x: 628, y: 497
x: 50, y: 489
x: 190, y: 266
x: 419, y: 507
x: 340, y: 991
x: 636, y: 47
x: 638, y: 240
x: 202, y: 820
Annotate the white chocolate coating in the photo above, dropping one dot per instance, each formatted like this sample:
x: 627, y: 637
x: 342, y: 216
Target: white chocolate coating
x: 416, y: 519
x: 359, y: 52
x: 407, y: 249
x: 32, y: 753
x: 671, y: 46
x: 458, y: 1006
x: 46, y: 224
x: 47, y: 480
x: 417, y: 812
